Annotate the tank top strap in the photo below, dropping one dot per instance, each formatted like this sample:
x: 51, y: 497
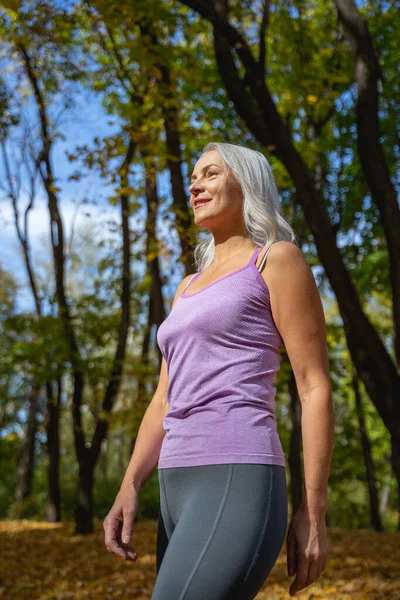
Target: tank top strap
x: 264, y: 258
x: 255, y: 254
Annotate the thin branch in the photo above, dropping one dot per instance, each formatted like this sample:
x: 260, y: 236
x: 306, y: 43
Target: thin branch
x: 263, y: 33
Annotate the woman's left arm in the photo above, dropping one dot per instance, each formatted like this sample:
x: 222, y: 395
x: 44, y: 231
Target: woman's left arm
x: 298, y: 314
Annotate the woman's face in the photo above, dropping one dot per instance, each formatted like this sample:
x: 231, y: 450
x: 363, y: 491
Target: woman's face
x: 223, y: 199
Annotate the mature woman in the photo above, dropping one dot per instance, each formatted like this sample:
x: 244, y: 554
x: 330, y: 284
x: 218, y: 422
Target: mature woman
x: 210, y: 425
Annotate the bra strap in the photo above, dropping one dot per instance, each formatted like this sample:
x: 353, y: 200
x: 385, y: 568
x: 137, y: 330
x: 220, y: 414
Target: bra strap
x: 264, y: 258
x: 188, y: 283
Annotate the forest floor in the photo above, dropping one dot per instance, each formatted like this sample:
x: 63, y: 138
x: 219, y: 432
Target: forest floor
x: 46, y: 561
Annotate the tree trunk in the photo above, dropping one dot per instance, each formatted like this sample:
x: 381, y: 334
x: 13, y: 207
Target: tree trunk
x: 84, y: 497
x: 53, y: 448
x: 370, y: 150
x: 384, y: 500
x: 27, y: 455
x: 369, y: 465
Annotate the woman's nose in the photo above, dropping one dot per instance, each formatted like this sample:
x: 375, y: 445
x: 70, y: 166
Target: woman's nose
x: 195, y: 185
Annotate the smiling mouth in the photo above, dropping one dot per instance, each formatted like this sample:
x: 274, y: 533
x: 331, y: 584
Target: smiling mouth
x: 200, y: 203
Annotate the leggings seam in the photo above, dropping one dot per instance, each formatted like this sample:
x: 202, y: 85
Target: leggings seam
x: 217, y: 519
x: 263, y: 532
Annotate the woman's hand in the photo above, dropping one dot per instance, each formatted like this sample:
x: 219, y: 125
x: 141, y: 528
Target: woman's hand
x: 307, y: 548
x: 118, y: 524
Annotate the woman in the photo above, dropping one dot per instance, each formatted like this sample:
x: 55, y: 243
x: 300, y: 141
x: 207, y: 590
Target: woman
x: 210, y: 425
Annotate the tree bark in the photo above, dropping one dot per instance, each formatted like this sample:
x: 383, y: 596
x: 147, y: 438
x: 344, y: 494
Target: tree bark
x: 27, y: 454
x: 53, y: 449
x: 84, y: 502
x: 369, y: 465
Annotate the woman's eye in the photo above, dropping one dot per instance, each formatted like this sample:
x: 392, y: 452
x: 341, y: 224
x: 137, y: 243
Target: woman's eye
x: 208, y: 173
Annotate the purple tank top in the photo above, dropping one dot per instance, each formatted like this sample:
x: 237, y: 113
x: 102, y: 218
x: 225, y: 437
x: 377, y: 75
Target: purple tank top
x: 222, y: 350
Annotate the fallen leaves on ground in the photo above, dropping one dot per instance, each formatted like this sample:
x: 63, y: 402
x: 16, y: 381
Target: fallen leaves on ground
x: 46, y: 561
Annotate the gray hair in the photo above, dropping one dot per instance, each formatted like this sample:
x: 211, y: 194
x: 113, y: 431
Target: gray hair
x: 262, y: 216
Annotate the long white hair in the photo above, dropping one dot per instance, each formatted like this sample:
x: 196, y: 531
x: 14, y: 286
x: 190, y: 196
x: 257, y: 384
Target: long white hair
x: 262, y: 216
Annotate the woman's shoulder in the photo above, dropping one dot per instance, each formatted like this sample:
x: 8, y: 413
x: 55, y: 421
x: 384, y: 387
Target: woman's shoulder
x: 285, y: 262
x: 281, y: 252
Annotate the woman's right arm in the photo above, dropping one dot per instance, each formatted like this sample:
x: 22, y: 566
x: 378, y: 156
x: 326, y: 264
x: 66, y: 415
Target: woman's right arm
x: 118, y: 524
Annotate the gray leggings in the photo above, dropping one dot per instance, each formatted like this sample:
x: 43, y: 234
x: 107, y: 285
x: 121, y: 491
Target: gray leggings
x: 220, y: 531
